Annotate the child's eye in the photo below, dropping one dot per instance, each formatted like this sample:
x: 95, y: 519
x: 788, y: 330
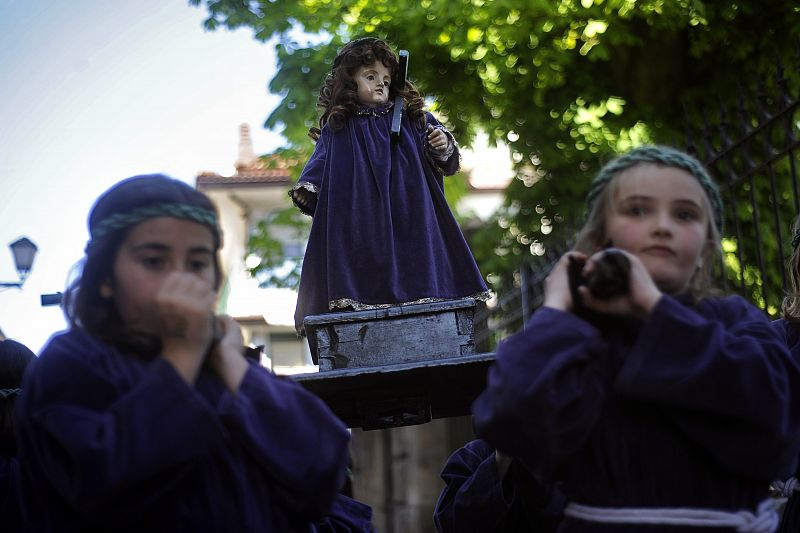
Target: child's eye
x: 635, y: 210
x: 153, y: 263
x: 370, y: 77
x: 687, y: 215
x: 386, y: 84
x: 198, y: 266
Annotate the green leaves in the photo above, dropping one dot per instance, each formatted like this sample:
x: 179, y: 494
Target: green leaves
x: 566, y: 83
x: 278, y: 265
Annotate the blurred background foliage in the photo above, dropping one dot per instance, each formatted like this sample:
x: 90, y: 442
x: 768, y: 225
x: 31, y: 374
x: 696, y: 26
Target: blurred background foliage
x: 566, y: 84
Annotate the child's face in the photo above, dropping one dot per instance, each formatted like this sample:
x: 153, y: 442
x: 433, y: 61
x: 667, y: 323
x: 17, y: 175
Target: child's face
x: 373, y: 84
x: 153, y: 249
x: 659, y: 214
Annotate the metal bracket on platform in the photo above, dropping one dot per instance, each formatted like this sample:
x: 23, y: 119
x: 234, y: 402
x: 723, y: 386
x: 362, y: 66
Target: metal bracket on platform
x: 395, y: 412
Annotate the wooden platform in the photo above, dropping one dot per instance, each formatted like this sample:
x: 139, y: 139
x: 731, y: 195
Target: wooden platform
x: 401, y: 394
x: 392, y: 335
x: 397, y: 366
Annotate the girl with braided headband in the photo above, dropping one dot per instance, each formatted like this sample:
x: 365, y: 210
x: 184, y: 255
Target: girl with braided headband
x: 145, y: 415
x: 675, y: 412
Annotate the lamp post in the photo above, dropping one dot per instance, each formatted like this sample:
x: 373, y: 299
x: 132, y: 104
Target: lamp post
x: 24, y: 251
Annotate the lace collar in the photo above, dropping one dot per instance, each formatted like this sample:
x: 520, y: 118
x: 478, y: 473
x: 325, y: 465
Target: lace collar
x: 377, y: 111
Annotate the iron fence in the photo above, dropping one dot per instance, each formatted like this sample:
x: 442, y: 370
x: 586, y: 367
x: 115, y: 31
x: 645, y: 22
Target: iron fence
x: 750, y: 146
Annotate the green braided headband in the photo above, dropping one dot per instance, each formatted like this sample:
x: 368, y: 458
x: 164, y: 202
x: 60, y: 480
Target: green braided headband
x: 662, y: 155
x: 119, y: 221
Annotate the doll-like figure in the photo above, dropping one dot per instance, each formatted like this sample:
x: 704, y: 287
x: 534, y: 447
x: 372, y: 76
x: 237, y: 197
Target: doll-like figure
x: 382, y: 232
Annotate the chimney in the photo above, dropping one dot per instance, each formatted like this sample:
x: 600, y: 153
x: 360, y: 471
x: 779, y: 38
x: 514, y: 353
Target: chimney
x: 246, y: 154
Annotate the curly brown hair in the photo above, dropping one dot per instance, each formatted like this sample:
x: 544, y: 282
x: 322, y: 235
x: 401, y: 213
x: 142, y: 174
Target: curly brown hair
x: 338, y: 96
x: 791, y: 302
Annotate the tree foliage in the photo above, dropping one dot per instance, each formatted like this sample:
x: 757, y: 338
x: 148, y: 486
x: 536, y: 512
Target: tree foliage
x: 565, y: 83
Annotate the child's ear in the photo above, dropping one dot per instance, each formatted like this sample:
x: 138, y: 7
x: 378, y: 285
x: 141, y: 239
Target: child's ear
x: 106, y: 291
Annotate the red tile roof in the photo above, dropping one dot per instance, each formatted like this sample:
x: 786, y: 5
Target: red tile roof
x: 245, y: 177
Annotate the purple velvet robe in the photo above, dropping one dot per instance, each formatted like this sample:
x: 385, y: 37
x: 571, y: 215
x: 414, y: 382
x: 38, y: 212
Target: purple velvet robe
x: 476, y: 500
x: 382, y: 231
x: 114, y: 442
x: 790, y: 519
x: 10, y: 512
x: 693, y: 407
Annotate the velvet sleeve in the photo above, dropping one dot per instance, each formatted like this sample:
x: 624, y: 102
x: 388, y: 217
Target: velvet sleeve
x: 725, y: 377
x: 310, y: 181
x: 449, y: 166
x: 293, y: 436
x: 109, y: 455
x: 545, y: 390
x: 790, y: 333
x: 473, y: 499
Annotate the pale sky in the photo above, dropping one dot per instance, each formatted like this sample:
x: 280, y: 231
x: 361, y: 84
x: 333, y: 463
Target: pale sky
x: 95, y: 91
x: 92, y: 92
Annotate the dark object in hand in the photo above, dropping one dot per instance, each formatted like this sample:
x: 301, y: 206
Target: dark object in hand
x: 608, y: 279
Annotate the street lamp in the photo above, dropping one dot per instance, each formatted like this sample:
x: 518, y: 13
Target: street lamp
x: 24, y: 251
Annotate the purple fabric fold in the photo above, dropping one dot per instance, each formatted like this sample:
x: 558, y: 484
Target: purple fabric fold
x: 382, y: 231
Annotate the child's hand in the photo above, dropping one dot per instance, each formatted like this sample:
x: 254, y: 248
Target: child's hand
x: 437, y: 139
x: 184, y: 307
x: 556, y: 290
x: 640, y: 299
x: 226, y: 357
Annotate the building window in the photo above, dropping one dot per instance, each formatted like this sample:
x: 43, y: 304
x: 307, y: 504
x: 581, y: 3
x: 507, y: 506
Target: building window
x: 286, y: 349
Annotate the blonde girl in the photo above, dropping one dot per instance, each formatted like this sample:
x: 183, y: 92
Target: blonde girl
x: 677, y: 412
